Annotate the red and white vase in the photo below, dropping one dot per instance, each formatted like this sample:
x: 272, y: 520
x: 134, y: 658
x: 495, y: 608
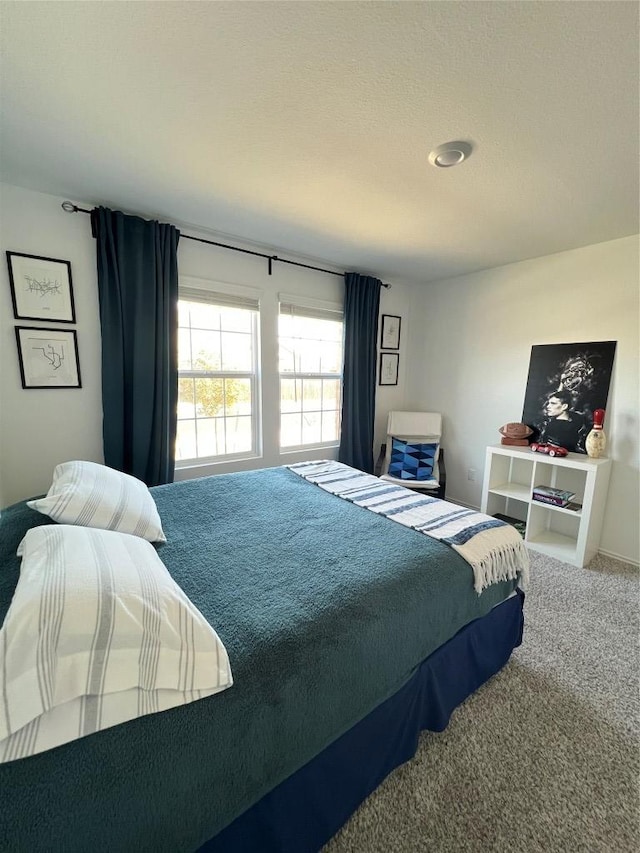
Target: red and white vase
x: 596, y: 441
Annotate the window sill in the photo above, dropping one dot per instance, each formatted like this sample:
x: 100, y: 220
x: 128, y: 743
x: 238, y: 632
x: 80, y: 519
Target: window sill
x: 307, y: 448
x: 213, y: 461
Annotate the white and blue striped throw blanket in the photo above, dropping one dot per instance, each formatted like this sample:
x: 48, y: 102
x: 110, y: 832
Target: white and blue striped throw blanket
x: 494, y: 549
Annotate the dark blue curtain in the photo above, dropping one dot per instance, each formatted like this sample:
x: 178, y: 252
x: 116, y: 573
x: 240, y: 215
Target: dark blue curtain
x: 138, y: 290
x: 361, y: 306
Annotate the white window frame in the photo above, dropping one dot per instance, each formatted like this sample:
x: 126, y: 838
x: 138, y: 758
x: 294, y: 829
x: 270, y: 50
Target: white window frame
x: 192, y: 289
x: 320, y: 309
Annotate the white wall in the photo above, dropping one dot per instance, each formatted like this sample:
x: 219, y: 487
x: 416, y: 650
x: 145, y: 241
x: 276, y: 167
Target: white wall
x: 472, y: 359
x: 40, y: 428
x: 389, y: 397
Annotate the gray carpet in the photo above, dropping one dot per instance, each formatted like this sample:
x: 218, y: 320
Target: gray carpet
x: 545, y: 757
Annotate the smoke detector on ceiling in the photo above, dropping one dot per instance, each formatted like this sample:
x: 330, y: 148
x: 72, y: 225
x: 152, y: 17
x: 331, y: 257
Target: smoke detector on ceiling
x: 450, y: 154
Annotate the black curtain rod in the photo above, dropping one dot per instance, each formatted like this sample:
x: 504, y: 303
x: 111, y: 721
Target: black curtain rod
x: 70, y: 207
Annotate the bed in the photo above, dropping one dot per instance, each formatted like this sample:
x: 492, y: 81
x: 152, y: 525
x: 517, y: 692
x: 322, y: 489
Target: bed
x: 347, y: 634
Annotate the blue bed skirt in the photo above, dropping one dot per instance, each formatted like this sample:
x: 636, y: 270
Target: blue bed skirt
x: 302, y: 813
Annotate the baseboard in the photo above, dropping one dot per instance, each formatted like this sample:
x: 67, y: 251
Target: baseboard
x: 622, y: 559
x: 462, y: 503
x: 602, y: 551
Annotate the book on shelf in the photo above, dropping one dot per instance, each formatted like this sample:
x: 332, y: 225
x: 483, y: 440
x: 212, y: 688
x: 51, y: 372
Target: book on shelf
x: 543, y: 499
x: 574, y: 506
x: 554, y: 493
x: 547, y: 492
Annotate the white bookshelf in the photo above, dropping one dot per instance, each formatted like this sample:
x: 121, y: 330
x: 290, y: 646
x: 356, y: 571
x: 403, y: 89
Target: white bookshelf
x: 572, y: 536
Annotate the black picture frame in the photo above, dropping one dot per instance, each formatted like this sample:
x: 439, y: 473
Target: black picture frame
x: 41, y: 288
x: 390, y: 331
x: 388, y: 368
x: 59, y: 353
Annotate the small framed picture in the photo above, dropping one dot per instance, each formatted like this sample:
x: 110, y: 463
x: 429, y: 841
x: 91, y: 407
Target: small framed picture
x: 390, y: 332
x: 41, y: 288
x: 389, y: 368
x: 48, y: 358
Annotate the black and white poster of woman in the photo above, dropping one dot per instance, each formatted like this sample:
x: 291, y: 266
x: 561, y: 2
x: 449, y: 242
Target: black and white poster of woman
x: 566, y: 384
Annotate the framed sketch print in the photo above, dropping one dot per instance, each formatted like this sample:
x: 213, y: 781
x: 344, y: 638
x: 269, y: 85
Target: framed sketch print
x: 41, y: 288
x: 48, y: 358
x: 389, y: 368
x: 390, y: 333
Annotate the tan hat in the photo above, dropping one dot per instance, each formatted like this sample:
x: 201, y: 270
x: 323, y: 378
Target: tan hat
x: 516, y: 430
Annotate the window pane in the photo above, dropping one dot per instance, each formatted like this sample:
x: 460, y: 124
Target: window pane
x: 333, y: 331
x: 219, y: 436
x: 287, y: 355
x: 210, y: 437
x: 311, y: 395
x: 330, y: 426
x: 209, y: 397
x: 308, y: 357
x: 285, y: 325
x: 186, y: 440
x: 184, y: 349
x: 330, y: 393
x: 290, y: 395
x: 330, y: 357
x: 299, y: 356
x: 312, y: 428
x: 320, y: 330
x: 239, y: 438
x: 237, y: 397
x: 183, y: 313
x: 204, y: 316
x: 186, y: 399
x: 290, y: 430
x: 205, y: 348
x: 236, y: 351
x: 236, y: 319
x: 308, y: 327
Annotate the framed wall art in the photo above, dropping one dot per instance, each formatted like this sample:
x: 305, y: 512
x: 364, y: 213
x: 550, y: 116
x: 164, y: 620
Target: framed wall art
x: 390, y: 332
x: 389, y: 368
x: 565, y: 385
x: 41, y: 288
x: 48, y: 358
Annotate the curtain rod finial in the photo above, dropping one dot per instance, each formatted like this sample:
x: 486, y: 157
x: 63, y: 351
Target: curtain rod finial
x: 69, y: 207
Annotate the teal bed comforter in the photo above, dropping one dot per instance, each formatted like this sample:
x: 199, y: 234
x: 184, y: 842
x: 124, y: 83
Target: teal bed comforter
x: 325, y: 610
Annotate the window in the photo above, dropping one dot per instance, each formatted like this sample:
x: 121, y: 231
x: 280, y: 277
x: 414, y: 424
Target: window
x: 217, y: 370
x: 310, y: 344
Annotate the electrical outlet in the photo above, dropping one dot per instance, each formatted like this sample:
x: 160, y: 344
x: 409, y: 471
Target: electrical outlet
x: 471, y: 474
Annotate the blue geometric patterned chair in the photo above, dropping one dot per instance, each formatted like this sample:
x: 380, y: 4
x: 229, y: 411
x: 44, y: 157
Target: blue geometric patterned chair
x: 411, y: 455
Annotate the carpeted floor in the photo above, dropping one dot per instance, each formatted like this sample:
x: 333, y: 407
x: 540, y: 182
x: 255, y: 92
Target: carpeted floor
x: 545, y: 757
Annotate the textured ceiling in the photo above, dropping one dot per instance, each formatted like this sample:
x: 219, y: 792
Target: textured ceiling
x: 306, y: 125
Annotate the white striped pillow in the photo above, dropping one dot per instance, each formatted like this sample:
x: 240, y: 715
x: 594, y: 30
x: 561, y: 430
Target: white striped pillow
x: 97, y: 633
x: 93, y: 495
